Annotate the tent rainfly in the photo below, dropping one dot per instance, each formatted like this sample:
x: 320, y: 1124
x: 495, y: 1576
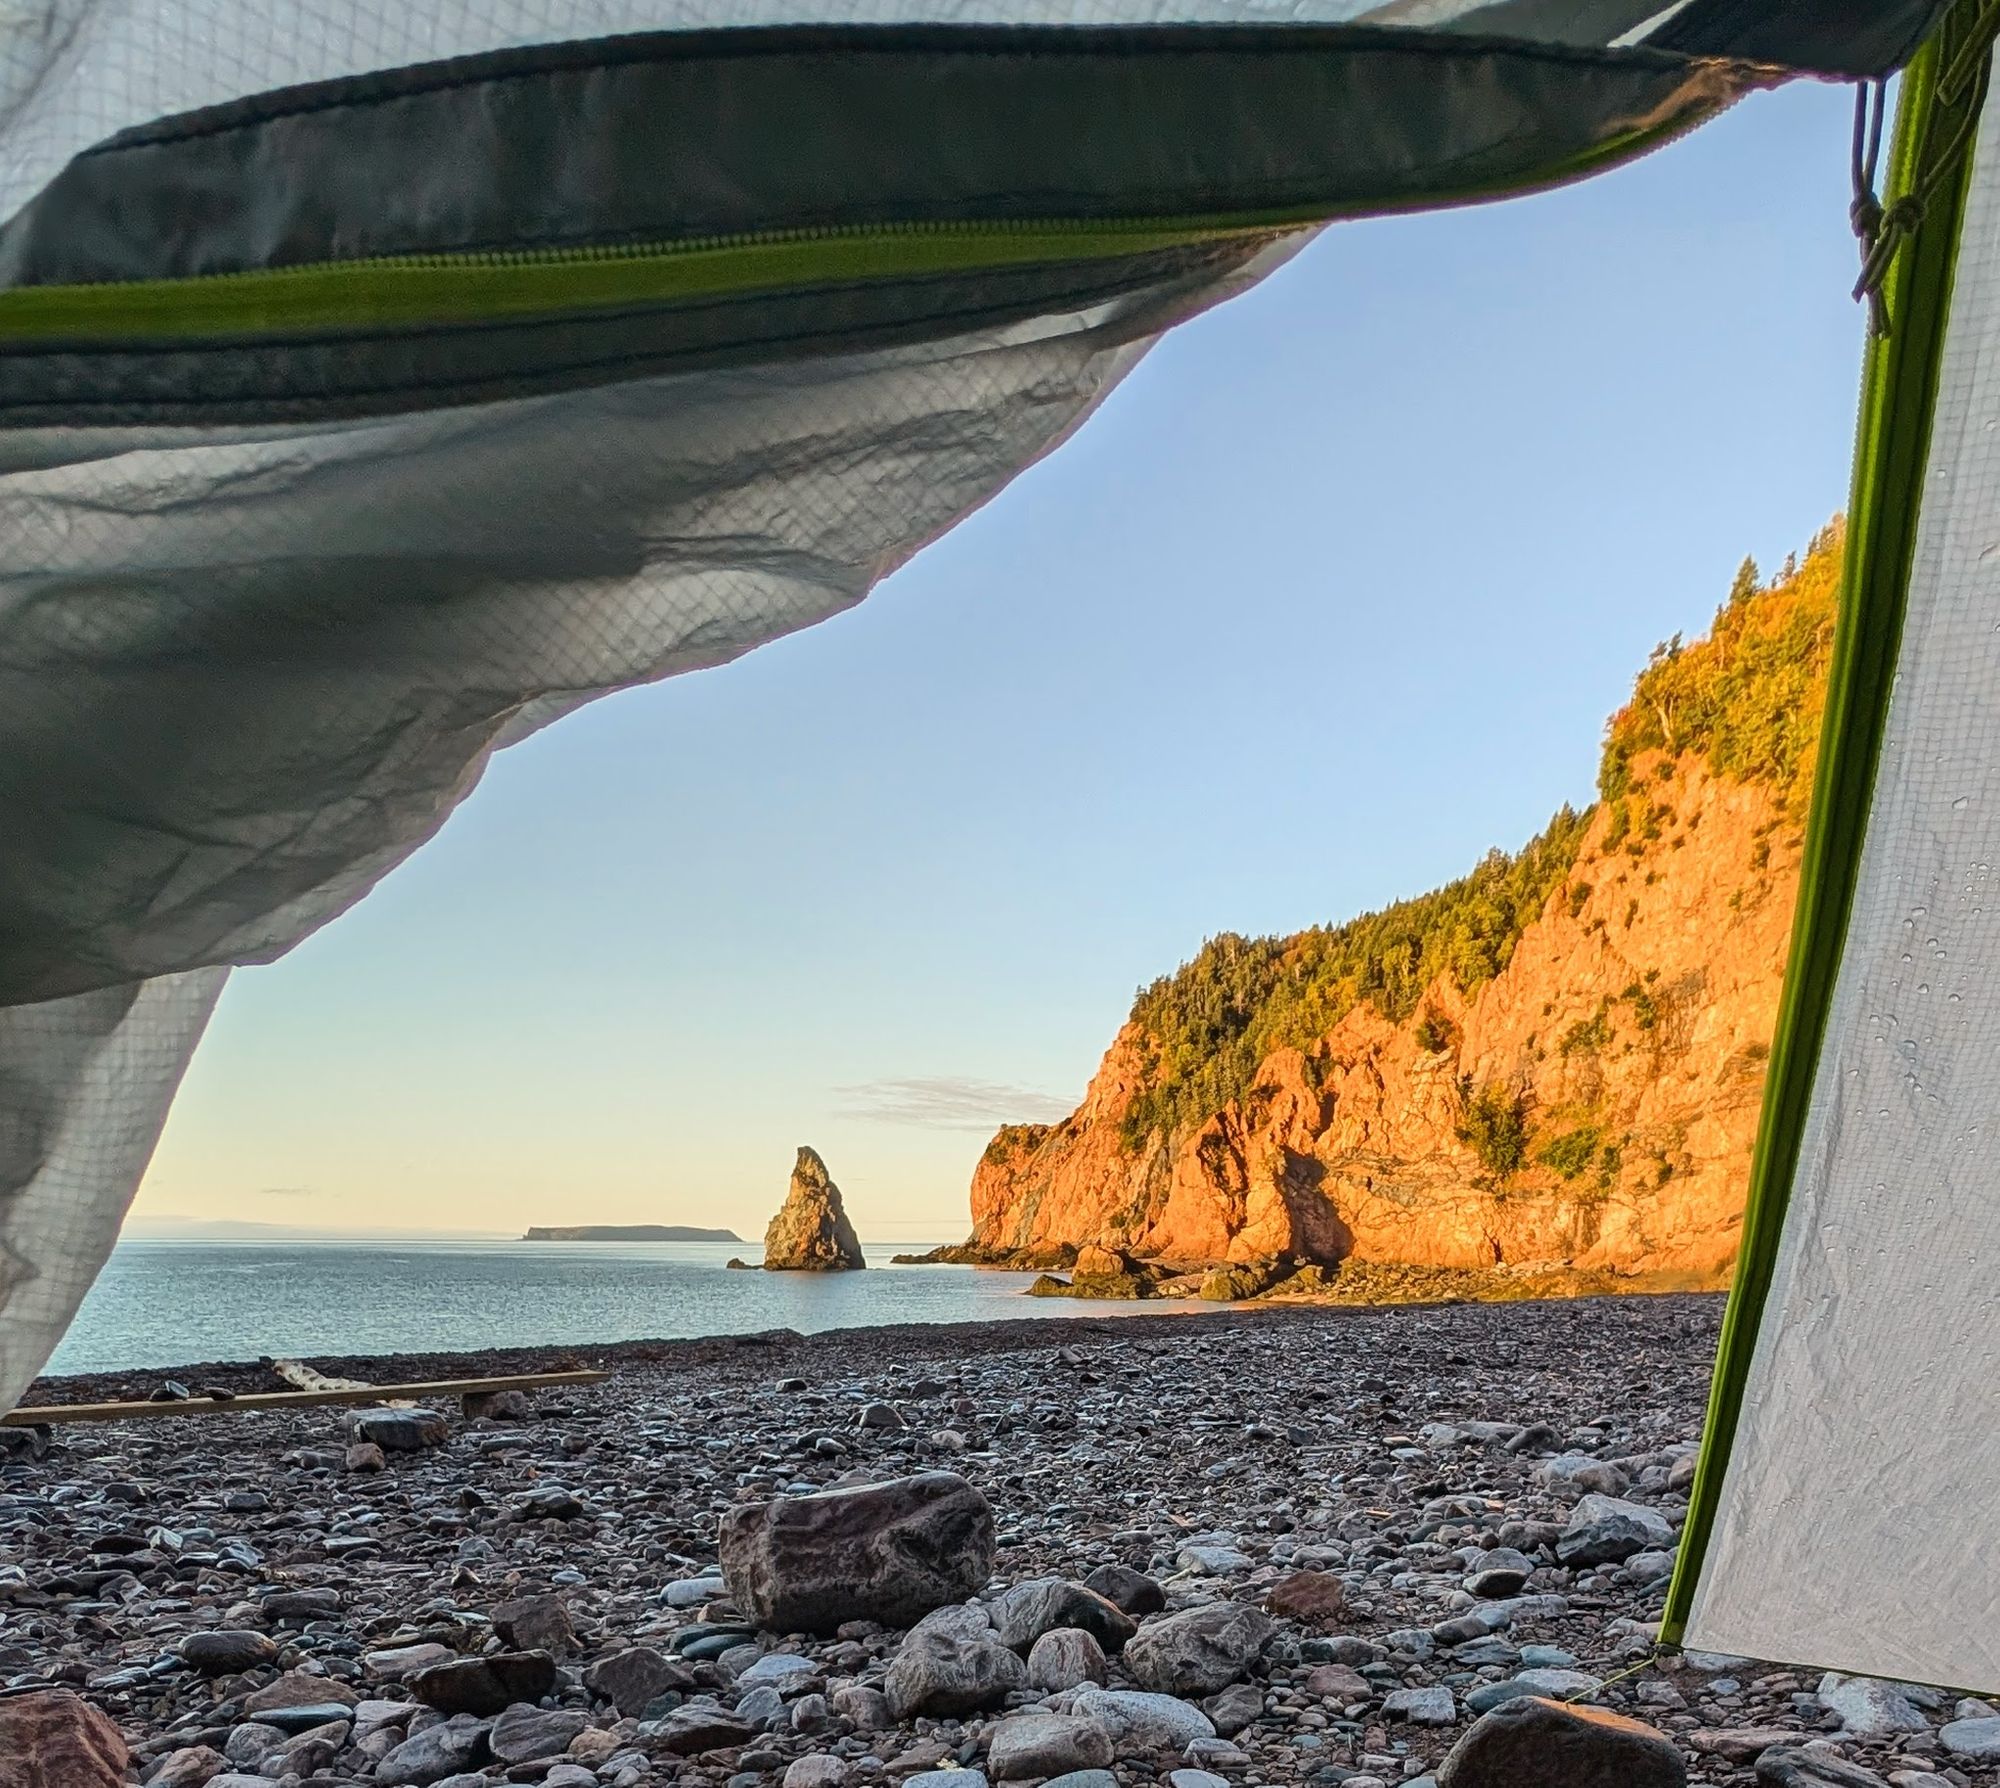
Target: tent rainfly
x: 378, y: 384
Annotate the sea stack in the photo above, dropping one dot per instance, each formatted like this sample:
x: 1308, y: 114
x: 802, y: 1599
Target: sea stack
x: 811, y: 1233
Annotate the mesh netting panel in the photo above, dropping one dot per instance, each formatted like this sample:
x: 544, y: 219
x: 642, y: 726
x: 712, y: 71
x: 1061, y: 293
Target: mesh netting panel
x: 84, y: 1089
x: 241, y: 678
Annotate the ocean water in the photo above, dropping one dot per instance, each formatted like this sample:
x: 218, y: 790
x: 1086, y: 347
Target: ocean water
x: 169, y: 1303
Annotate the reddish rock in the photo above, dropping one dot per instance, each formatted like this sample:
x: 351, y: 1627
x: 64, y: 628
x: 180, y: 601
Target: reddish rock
x: 298, y: 1688
x: 535, y: 1623
x: 1338, y: 1682
x: 1532, y: 1743
x: 1312, y: 1598
x: 54, y: 1739
x: 1096, y: 1262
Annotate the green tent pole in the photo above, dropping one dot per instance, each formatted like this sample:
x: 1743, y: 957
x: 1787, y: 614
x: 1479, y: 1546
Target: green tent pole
x: 1898, y: 399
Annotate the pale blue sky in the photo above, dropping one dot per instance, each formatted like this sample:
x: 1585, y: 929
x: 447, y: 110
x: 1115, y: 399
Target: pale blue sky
x: 1335, y: 592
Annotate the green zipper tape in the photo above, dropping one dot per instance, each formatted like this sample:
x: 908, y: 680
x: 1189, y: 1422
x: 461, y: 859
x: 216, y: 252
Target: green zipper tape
x: 412, y: 291
x: 1899, y: 398
x: 416, y: 291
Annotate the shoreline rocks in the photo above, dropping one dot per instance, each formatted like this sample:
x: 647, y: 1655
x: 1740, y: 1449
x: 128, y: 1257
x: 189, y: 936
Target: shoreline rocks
x: 1260, y: 1547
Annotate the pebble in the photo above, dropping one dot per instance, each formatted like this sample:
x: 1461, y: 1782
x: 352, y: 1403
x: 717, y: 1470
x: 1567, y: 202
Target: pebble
x: 1141, y: 1721
x: 1033, y: 1746
x: 1423, y: 1707
x: 1198, y: 1650
x: 1869, y: 1708
x: 628, y: 1533
x: 1977, y: 1739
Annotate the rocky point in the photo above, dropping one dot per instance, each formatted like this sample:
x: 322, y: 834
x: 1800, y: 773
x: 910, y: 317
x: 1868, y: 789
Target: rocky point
x: 811, y: 1232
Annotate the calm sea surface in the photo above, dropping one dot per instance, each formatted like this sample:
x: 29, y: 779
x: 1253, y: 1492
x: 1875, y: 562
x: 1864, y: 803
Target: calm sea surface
x: 168, y: 1303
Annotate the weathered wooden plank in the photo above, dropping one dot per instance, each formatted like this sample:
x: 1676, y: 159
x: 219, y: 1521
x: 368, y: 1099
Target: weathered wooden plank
x: 302, y: 1377
x: 51, y: 1413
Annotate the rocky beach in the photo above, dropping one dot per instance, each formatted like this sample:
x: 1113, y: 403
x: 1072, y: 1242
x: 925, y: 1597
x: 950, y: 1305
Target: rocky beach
x: 1343, y: 1547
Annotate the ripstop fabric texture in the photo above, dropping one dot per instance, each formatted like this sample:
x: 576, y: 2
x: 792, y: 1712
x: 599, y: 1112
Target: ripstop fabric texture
x: 1861, y: 1472
x: 378, y: 384
x: 268, y: 668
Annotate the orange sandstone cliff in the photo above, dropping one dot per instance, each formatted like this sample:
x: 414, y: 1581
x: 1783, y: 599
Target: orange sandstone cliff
x: 1591, y: 1100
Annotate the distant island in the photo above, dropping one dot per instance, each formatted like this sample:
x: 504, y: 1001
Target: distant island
x: 628, y: 1232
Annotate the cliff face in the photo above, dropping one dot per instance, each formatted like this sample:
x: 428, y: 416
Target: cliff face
x: 1616, y: 1062
x: 1557, y: 1060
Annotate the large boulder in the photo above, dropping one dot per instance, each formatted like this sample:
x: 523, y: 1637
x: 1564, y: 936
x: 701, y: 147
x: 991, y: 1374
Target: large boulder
x: 1199, y: 1650
x: 434, y: 1754
x: 811, y: 1232
x: 1532, y: 1743
x: 1029, y: 1610
x: 632, y: 1679
x: 1139, y: 1721
x: 1034, y: 1746
x: 53, y: 1737
x: 885, y: 1552
x: 951, y: 1663
x: 1226, y: 1284
x: 1065, y: 1658
x: 396, y: 1430
x: 487, y: 1684
x: 1607, y: 1530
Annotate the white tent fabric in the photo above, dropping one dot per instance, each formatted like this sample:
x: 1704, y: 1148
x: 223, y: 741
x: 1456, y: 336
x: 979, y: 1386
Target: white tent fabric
x: 84, y: 1087
x: 1861, y: 1476
x: 74, y: 72
x: 474, y: 573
